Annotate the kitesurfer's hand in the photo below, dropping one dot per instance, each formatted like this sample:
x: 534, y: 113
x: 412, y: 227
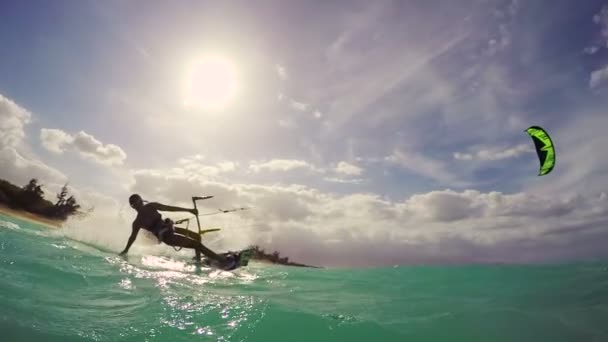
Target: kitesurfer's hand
x: 194, y: 211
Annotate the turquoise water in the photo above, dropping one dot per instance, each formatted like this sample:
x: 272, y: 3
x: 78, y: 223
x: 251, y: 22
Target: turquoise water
x: 53, y: 288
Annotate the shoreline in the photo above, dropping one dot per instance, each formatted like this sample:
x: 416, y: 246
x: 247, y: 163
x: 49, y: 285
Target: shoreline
x: 30, y: 217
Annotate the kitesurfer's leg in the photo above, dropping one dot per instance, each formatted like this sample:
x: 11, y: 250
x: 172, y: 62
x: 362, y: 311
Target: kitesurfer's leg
x: 188, y: 233
x: 192, y: 235
x: 183, y: 241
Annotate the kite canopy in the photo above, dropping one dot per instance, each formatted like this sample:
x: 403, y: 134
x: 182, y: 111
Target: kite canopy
x: 544, y: 149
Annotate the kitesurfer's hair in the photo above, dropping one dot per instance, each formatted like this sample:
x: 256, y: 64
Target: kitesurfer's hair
x: 134, y: 198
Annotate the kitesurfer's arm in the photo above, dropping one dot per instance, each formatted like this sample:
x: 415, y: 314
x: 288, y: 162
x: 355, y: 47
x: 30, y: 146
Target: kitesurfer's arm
x: 162, y: 207
x: 132, y: 237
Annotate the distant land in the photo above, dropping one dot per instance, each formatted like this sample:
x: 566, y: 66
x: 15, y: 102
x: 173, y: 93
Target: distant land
x: 28, y: 203
x: 274, y: 258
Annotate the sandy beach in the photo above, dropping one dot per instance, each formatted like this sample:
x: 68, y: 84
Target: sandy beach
x: 23, y: 215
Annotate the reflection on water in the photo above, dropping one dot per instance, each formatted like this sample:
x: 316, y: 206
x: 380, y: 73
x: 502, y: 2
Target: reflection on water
x: 197, y: 300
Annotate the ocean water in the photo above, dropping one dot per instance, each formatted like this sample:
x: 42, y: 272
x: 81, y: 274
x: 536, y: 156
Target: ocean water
x: 54, y: 288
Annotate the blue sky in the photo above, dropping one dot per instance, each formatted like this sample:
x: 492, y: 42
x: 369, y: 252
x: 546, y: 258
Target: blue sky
x: 407, y: 107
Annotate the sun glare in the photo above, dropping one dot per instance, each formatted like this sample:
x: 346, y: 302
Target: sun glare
x: 211, y: 83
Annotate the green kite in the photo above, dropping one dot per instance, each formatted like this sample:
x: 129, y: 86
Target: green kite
x: 544, y: 149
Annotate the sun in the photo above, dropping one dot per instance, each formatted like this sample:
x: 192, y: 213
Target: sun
x: 211, y: 83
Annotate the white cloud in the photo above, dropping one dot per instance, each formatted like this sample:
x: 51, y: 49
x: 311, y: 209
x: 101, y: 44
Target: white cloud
x: 93, y: 148
x: 196, y: 165
x: 317, y: 114
x: 281, y: 71
x: 348, y: 169
x: 197, y: 158
x: 601, y: 19
x: 19, y: 169
x: 88, y: 146
x: 299, y: 106
x: 15, y: 165
x: 343, y: 181
x: 280, y: 165
x: 13, y: 119
x: 55, y: 140
x: 423, y: 166
x: 287, y: 123
x: 500, y: 43
x: 590, y: 50
x: 364, y: 229
x: 448, y: 205
x: 598, y: 77
x: 495, y: 153
x: 227, y: 166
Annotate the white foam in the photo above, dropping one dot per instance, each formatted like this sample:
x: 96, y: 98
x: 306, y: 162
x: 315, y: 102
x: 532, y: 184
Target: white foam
x: 9, y: 225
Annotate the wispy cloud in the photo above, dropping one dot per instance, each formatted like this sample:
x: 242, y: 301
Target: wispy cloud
x: 494, y: 153
x: 343, y: 180
x: 58, y: 141
x: 423, y: 166
x: 600, y: 40
x: 281, y: 165
x: 601, y: 19
x: 281, y: 71
x: 196, y: 165
x: 299, y: 106
x: 598, y: 78
x: 590, y: 50
x: 348, y: 169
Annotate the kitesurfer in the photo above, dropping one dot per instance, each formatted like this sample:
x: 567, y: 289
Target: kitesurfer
x: 149, y: 218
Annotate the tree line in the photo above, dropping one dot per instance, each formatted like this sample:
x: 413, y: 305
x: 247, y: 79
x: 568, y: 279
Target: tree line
x: 30, y: 198
x: 274, y: 257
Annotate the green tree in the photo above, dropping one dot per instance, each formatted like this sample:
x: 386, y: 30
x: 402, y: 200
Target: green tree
x: 33, y: 189
x: 62, y: 195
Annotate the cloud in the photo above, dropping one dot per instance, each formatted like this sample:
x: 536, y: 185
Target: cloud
x: 13, y: 119
x: 514, y: 7
x: 495, y: 153
x: 317, y: 114
x: 15, y: 165
x: 449, y: 206
x: 348, y: 169
x: 601, y: 41
x: 362, y: 229
x: 423, y: 166
x: 590, y: 50
x: 598, y: 77
x: 196, y: 165
x: 227, y: 166
x: 55, y: 140
x: 601, y: 19
x: 287, y: 123
x: 299, y: 106
x: 343, y: 181
x: 500, y: 43
x: 281, y: 165
x: 281, y: 71
x: 19, y: 169
x: 58, y: 141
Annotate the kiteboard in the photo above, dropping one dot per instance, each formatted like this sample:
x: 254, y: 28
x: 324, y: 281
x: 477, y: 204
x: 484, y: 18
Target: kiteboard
x: 238, y: 259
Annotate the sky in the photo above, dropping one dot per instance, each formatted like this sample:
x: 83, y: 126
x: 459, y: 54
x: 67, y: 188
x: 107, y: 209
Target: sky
x: 360, y: 133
